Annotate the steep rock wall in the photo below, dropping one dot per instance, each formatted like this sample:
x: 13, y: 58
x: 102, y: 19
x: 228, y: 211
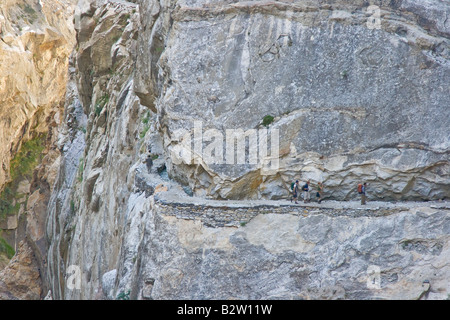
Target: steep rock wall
x: 303, y: 253
x: 36, y: 42
x: 100, y: 145
x: 353, y: 101
x: 36, y: 39
x: 118, y: 225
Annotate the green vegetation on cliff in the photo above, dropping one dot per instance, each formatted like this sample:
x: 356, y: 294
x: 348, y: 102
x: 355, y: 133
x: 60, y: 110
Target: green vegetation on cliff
x: 22, y: 166
x: 6, y: 249
x: 27, y: 158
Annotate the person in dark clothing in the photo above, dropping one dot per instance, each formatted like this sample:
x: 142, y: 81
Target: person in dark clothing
x: 306, y: 194
x: 149, y: 162
x: 363, y: 193
x: 295, y: 192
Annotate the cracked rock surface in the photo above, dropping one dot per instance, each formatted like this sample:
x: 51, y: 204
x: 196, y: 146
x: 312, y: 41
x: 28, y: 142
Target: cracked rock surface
x: 351, y: 102
x: 144, y: 205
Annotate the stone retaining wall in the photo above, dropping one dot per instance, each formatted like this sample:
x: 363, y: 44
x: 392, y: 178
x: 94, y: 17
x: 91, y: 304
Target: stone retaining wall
x: 217, y: 214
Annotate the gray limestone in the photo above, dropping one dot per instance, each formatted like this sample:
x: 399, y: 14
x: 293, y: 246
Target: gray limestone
x: 351, y: 103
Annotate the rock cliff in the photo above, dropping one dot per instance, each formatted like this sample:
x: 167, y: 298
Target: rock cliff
x: 151, y: 199
x: 351, y: 100
x: 36, y: 39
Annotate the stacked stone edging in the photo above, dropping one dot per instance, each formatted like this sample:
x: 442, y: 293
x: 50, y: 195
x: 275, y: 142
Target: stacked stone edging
x: 215, y: 213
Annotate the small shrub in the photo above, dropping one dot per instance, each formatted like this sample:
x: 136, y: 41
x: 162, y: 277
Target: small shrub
x: 31, y: 13
x: 147, y: 118
x: 101, y: 102
x: 29, y: 10
x: 267, y: 120
x: 123, y: 296
x: 145, y: 121
x: 80, y: 170
x: 5, y: 248
x: 144, y: 131
x: 5, y: 207
x: 98, y: 109
x: 27, y: 158
x: 159, y: 50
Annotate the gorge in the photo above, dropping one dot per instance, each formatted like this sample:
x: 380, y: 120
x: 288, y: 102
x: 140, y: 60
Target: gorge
x: 114, y: 116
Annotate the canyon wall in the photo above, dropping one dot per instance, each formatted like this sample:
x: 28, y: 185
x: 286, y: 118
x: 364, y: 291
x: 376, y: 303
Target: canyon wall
x: 146, y: 205
x: 351, y: 103
x: 36, y: 39
x: 36, y: 42
x: 352, y: 100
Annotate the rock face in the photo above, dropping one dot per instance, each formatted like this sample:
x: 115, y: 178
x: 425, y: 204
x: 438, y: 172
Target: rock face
x: 21, y: 279
x: 351, y: 99
x: 34, y: 51
x: 354, y: 99
x: 337, y: 92
x: 102, y: 132
x: 307, y: 254
x: 36, y: 39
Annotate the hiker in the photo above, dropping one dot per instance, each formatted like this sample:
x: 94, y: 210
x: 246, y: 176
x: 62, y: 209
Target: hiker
x: 362, y: 192
x: 319, y: 192
x: 306, y: 194
x: 149, y: 162
x: 294, y: 188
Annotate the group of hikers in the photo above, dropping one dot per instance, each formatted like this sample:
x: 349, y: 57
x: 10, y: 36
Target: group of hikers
x: 306, y: 190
